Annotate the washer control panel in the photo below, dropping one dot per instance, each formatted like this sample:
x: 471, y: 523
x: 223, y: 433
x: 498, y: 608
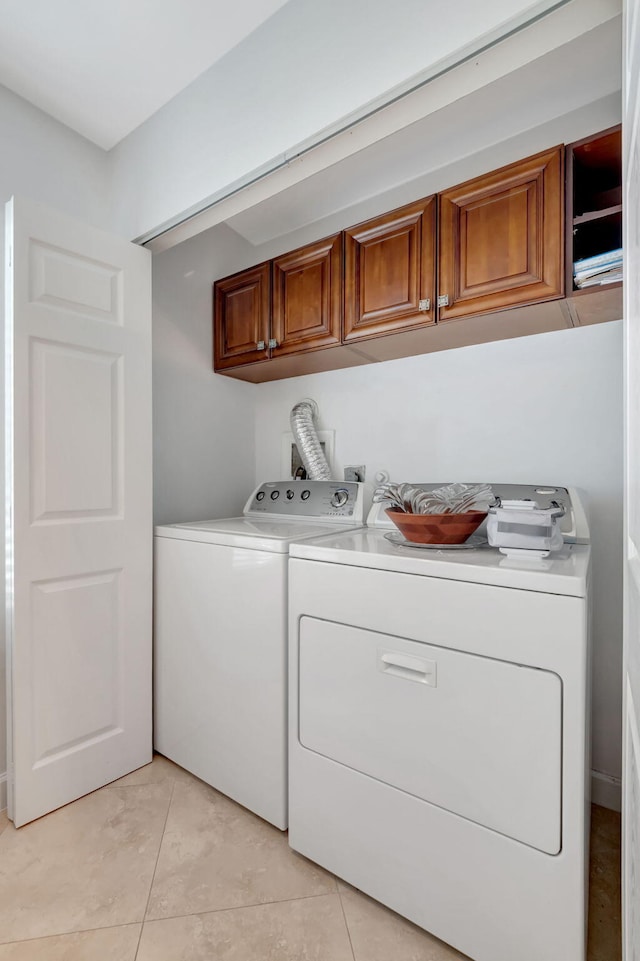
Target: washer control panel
x: 319, y: 500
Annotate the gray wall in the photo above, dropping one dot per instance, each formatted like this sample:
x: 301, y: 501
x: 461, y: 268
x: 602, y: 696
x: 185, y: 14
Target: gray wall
x: 203, y: 425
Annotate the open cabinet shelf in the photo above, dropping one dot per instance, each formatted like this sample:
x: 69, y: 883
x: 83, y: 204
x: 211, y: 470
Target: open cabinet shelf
x: 594, y: 204
x: 597, y: 215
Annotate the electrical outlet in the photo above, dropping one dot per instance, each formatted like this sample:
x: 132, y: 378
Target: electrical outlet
x: 356, y: 473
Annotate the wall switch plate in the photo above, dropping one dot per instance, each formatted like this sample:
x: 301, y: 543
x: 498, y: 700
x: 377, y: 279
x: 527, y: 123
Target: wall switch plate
x: 356, y: 473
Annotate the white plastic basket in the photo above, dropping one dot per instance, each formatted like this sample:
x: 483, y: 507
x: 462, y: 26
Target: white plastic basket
x: 522, y: 526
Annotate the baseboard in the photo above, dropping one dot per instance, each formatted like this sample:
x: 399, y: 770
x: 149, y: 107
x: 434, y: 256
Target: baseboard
x: 606, y: 791
x: 3, y: 790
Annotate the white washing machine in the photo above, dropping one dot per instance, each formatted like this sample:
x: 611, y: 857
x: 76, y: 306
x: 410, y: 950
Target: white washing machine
x: 220, y: 637
x: 439, y: 718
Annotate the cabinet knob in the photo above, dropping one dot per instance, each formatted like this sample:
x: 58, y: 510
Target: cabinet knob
x: 443, y: 300
x: 260, y: 345
x: 273, y: 343
x: 424, y: 305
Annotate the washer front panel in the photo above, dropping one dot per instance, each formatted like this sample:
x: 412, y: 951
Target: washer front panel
x: 219, y: 684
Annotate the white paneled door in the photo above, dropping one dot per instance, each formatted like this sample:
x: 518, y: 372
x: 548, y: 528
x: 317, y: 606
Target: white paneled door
x: 79, y: 534
x: 631, y: 680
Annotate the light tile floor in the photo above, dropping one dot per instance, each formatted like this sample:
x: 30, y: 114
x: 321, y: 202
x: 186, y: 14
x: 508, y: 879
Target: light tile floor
x: 159, y: 867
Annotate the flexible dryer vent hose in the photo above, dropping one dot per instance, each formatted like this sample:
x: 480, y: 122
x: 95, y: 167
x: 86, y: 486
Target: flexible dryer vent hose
x: 305, y: 435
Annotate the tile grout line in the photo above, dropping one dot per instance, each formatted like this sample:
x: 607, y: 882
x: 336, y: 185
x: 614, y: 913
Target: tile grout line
x: 241, y: 907
x: 346, y: 923
x: 155, y: 868
x: 68, y: 934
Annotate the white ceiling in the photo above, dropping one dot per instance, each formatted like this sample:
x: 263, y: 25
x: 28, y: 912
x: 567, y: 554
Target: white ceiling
x: 103, y: 66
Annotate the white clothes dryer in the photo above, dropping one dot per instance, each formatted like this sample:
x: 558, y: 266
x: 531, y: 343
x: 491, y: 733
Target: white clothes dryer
x: 439, y: 717
x: 220, y: 637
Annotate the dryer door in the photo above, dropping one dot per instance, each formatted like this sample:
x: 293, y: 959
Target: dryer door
x: 474, y: 735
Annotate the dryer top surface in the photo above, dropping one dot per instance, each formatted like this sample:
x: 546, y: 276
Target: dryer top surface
x: 565, y: 572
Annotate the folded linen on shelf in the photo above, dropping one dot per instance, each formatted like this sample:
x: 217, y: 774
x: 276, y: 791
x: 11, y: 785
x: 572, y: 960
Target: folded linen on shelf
x: 605, y: 268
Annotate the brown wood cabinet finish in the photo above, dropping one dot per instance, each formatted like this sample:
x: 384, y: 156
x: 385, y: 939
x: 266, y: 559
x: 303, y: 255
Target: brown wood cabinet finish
x: 501, y: 238
x: 389, y: 269
x: 241, y: 309
x: 307, y: 297
x: 500, y: 245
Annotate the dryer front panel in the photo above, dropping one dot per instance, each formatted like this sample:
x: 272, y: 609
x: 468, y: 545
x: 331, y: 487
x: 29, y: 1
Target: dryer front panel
x: 477, y: 736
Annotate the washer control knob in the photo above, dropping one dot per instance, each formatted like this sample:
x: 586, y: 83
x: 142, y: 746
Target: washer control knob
x: 290, y: 495
x: 305, y: 495
x: 275, y: 495
x: 260, y: 496
x: 340, y: 497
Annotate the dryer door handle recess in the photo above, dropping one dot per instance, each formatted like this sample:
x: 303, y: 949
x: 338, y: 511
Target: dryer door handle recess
x: 408, y: 667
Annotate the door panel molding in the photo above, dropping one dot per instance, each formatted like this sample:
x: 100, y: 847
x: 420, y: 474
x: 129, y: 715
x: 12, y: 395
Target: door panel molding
x: 79, y: 530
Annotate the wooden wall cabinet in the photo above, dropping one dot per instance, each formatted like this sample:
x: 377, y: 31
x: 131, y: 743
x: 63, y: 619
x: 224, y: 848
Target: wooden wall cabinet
x: 501, y: 238
x: 241, y: 311
x: 390, y: 272
x: 497, y: 247
x: 307, y: 298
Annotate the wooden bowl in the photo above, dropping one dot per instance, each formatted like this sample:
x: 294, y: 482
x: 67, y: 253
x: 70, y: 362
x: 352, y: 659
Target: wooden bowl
x: 436, y: 528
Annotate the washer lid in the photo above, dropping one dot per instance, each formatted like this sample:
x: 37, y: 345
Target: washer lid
x: 565, y: 572
x: 250, y: 533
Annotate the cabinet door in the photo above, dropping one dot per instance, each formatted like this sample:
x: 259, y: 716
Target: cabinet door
x: 307, y: 297
x: 501, y: 238
x: 241, y: 306
x: 390, y: 272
